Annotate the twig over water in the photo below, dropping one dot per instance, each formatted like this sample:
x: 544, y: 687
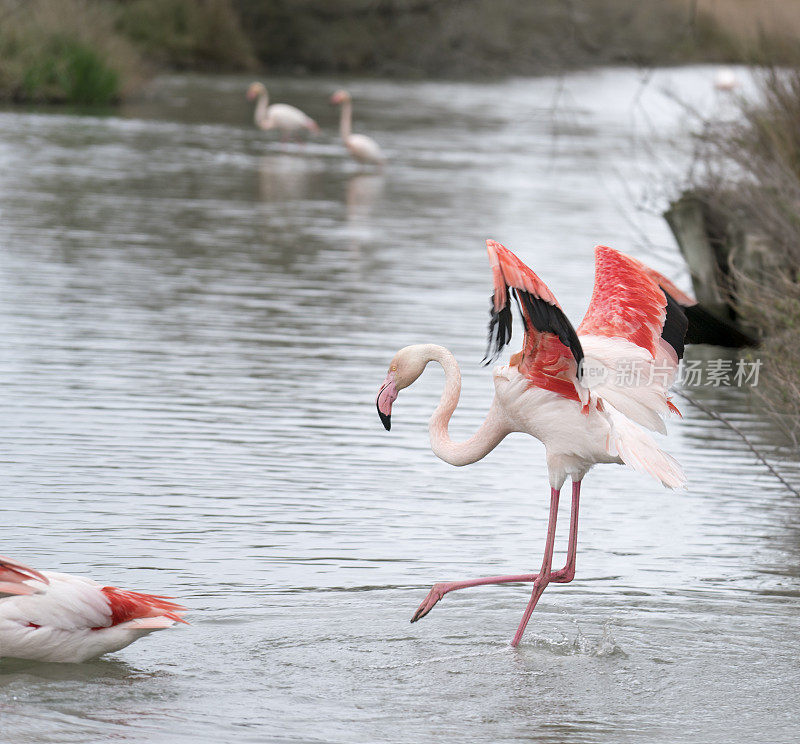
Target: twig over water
x: 713, y: 414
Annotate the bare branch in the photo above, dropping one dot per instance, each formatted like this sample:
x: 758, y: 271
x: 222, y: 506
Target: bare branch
x: 713, y: 414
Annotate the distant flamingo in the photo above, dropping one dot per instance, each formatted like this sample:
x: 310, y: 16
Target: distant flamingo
x: 577, y: 392
x: 363, y: 149
x: 48, y: 616
x: 725, y: 80
x: 287, y: 119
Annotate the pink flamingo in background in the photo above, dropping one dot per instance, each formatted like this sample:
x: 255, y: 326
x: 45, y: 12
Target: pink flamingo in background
x: 565, y: 388
x: 363, y: 149
x: 288, y: 119
x: 48, y: 616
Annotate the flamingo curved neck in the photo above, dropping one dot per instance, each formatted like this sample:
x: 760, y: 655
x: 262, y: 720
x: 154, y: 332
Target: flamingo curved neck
x: 491, y: 432
x: 345, y: 121
x: 261, y: 106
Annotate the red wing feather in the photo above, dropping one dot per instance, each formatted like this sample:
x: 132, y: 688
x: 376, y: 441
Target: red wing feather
x: 626, y: 302
x: 683, y: 299
x: 126, y: 605
x: 551, y: 350
x: 509, y: 271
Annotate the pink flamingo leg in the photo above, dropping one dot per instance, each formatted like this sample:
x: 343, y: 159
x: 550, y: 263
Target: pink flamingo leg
x: 543, y: 579
x: 567, y: 574
x: 561, y: 576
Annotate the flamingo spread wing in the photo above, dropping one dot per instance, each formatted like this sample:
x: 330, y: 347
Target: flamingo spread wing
x: 551, y: 350
x: 705, y: 327
x: 633, y: 322
x: 628, y: 303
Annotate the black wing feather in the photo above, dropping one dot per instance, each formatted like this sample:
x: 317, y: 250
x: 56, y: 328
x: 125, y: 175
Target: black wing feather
x: 675, y: 325
x: 546, y: 318
x: 499, y: 330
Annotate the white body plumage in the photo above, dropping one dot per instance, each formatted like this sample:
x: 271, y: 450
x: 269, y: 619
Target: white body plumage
x: 600, y: 415
x: 362, y: 148
x: 575, y: 436
x: 287, y: 119
x: 573, y: 440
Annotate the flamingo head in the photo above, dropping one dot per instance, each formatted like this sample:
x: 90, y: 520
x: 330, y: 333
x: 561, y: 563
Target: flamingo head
x: 255, y: 90
x: 340, y: 96
x: 407, y: 365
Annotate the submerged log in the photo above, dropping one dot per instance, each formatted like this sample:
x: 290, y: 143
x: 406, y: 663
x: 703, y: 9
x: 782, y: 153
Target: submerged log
x: 709, y: 244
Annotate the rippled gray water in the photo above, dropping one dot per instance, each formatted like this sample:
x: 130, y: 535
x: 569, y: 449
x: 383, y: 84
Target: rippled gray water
x: 193, y: 323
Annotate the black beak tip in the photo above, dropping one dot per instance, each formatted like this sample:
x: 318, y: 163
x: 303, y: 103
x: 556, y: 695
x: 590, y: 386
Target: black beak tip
x: 385, y: 420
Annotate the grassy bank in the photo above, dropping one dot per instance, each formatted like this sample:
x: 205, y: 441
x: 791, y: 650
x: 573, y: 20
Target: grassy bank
x: 99, y: 51
x: 475, y: 38
x: 749, y: 177
x: 203, y: 35
x: 63, y: 50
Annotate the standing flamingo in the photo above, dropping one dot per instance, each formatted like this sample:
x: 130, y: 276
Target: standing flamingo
x: 363, y: 149
x: 565, y: 388
x: 48, y: 616
x: 288, y: 119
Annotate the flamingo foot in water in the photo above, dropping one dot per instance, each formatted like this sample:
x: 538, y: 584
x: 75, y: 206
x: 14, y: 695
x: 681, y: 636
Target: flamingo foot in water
x: 434, y: 595
x: 562, y: 576
x: 441, y: 588
x: 438, y: 590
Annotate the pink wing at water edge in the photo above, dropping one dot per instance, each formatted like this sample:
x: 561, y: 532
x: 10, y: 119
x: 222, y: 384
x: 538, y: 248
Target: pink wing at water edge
x: 551, y: 350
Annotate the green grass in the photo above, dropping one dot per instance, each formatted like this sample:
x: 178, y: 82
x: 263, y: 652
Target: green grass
x: 99, y: 51
x: 64, y: 51
x: 67, y: 69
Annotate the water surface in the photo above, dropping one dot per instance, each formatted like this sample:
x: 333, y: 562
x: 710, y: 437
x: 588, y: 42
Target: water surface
x: 193, y: 323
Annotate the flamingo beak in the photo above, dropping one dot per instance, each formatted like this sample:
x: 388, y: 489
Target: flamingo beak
x: 386, y: 396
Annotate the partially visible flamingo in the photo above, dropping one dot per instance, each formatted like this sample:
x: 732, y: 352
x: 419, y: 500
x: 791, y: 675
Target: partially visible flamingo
x: 48, y: 616
x: 363, y: 149
x: 288, y: 119
x: 566, y: 388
